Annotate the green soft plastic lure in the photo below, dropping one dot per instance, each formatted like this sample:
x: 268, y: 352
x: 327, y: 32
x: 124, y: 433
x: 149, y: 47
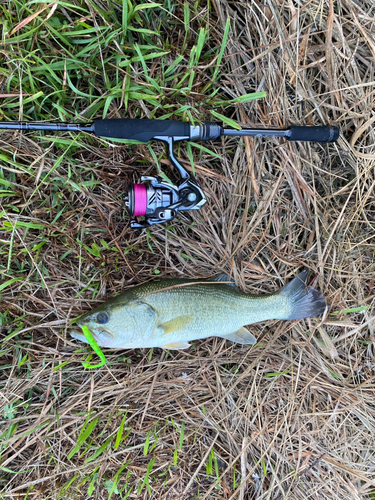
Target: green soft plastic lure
x: 95, y: 347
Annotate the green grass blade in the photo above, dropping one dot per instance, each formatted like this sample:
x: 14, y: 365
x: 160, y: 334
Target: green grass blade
x: 124, y: 17
x: 352, y: 310
x: 222, y: 49
x: 226, y: 120
x: 200, y: 43
x: 205, y: 150
x: 119, y: 432
x: 182, y: 434
x: 100, y: 450
x: 85, y: 433
x: 250, y: 97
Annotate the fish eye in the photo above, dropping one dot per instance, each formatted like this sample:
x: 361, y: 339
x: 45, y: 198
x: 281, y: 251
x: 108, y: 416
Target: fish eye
x: 102, y: 318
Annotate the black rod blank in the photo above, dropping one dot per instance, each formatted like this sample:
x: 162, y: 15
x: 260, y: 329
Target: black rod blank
x: 55, y: 127
x: 323, y: 133
x: 257, y: 132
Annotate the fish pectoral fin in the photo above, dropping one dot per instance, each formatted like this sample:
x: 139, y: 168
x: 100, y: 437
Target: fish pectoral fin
x: 242, y: 336
x: 176, y: 324
x: 175, y: 346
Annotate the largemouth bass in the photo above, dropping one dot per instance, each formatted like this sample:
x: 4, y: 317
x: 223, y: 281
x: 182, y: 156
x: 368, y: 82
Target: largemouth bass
x: 170, y: 313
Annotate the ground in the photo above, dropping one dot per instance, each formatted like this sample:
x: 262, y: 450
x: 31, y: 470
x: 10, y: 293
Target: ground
x: 292, y: 417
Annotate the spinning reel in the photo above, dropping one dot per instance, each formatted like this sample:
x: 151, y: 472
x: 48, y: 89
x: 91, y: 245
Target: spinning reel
x: 159, y: 201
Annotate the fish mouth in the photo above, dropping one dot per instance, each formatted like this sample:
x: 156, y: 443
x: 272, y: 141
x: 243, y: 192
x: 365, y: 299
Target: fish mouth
x: 100, y: 335
x: 78, y: 336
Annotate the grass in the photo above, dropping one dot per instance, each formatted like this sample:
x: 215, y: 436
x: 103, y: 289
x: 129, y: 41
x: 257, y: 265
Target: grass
x: 292, y: 417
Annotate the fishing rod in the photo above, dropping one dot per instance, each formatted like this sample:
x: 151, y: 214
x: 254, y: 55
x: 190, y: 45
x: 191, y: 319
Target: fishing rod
x: 155, y: 200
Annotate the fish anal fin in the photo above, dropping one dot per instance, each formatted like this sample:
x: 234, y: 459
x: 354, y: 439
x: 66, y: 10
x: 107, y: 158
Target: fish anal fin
x: 175, y: 346
x: 176, y: 324
x: 242, y: 336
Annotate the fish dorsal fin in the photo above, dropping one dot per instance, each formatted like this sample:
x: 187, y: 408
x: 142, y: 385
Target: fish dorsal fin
x: 242, y: 336
x: 175, y: 346
x: 223, y: 277
x: 176, y: 324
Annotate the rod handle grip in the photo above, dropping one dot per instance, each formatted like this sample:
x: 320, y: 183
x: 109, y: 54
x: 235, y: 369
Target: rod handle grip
x: 139, y: 129
x: 314, y: 134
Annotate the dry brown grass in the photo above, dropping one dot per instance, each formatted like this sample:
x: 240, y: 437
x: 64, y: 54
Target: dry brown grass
x: 290, y: 418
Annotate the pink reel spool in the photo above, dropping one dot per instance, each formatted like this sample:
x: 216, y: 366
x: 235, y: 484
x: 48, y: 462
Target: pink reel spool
x: 140, y: 200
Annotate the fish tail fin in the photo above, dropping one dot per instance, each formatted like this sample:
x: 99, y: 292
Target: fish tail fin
x: 305, y: 301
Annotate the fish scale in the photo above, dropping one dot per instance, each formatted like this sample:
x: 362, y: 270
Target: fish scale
x: 170, y: 313
x: 224, y: 310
